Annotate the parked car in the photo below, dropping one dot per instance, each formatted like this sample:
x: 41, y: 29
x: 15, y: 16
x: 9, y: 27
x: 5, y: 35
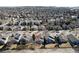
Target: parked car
x: 73, y: 40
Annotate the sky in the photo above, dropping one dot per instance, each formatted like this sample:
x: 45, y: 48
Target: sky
x: 58, y: 3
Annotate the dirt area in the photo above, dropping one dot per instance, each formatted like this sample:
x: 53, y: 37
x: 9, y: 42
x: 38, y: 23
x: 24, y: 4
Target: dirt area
x: 54, y: 50
x: 49, y: 49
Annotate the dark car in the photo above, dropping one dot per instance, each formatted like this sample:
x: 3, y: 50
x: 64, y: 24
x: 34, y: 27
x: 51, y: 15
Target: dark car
x: 49, y: 40
x: 59, y: 40
x: 2, y: 42
x: 73, y: 40
x: 22, y: 41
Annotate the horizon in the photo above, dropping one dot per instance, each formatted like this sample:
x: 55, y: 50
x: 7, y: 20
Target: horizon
x: 57, y: 3
x: 39, y: 6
